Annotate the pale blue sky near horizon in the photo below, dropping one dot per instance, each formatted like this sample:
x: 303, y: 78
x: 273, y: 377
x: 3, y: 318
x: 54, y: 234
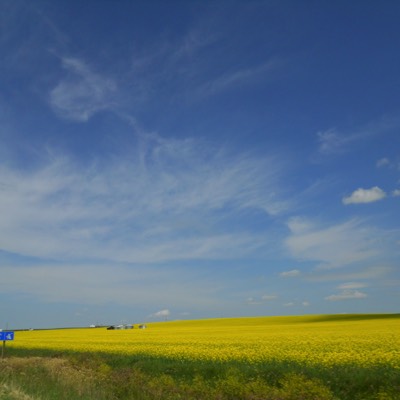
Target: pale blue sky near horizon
x: 197, y: 159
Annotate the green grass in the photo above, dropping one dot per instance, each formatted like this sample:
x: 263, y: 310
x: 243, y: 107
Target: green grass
x: 104, y: 376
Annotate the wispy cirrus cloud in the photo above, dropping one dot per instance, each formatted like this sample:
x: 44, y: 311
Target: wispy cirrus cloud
x: 352, y: 285
x: 348, y: 291
x: 346, y: 294
x: 167, y: 200
x: 382, y: 162
x: 332, y: 141
x: 192, y: 68
x: 254, y: 301
x: 81, y: 93
x: 368, y: 273
x: 331, y: 247
x: 240, y: 77
x: 290, y: 274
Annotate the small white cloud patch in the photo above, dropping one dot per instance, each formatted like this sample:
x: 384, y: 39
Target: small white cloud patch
x: 352, y: 285
x: 382, y: 162
x: 365, y: 196
x: 252, y: 301
x: 82, y: 93
x: 333, y: 246
x: 346, y: 295
x: 268, y: 297
x: 290, y: 304
x: 257, y: 301
x: 161, y: 314
x: 290, y: 274
x: 330, y: 142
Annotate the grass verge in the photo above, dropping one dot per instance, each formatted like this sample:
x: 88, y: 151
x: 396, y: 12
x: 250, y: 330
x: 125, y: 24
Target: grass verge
x: 53, y: 376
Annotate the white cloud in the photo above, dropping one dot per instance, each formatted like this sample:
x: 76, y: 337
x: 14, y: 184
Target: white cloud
x: 334, y: 246
x: 252, y: 301
x: 330, y: 141
x: 82, y: 93
x: 333, y: 142
x: 161, y: 314
x: 268, y: 297
x: 290, y: 274
x: 348, y: 291
x: 365, y: 196
x: 396, y: 193
x: 239, y: 77
x: 352, y: 285
x: 263, y: 299
x: 346, y: 295
x: 382, y: 162
x: 167, y: 200
x: 305, y: 303
x: 299, y: 225
x: 289, y: 304
x: 375, y: 272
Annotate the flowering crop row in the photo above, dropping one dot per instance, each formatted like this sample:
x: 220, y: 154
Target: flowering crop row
x: 365, y: 342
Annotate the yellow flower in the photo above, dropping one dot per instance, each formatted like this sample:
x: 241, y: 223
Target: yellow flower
x: 364, y: 342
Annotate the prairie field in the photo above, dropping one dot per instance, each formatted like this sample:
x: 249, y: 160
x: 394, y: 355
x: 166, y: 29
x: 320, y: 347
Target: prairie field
x: 308, y: 357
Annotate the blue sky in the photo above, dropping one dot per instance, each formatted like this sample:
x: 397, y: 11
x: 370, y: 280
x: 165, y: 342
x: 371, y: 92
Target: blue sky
x: 198, y: 159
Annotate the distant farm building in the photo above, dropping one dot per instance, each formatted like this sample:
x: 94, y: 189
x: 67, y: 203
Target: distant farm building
x: 122, y: 326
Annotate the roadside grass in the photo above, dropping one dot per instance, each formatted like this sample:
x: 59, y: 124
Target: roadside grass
x: 47, y: 378
x: 86, y: 376
x: 12, y: 392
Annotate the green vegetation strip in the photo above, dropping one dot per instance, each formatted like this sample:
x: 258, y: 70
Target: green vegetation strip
x: 48, y: 375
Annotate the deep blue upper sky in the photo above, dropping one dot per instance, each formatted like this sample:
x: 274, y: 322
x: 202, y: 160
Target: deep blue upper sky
x: 195, y: 159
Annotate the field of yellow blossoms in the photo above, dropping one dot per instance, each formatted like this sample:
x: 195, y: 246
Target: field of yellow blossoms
x: 313, y: 340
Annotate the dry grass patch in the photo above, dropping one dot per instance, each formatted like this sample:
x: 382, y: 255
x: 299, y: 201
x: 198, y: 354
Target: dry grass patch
x: 41, y: 376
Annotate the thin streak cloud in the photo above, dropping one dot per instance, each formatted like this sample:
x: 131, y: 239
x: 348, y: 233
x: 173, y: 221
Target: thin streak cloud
x: 331, y: 141
x: 150, y: 207
x: 346, y: 295
x: 245, y: 76
x: 334, y: 246
x: 81, y: 93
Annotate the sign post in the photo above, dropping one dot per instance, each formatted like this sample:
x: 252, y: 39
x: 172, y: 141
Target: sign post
x: 5, y: 336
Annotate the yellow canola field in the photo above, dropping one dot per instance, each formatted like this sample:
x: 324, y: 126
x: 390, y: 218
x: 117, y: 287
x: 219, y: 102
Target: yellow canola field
x: 310, y: 340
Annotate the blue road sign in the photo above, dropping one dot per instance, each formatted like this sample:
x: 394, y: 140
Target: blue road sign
x: 6, y: 336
